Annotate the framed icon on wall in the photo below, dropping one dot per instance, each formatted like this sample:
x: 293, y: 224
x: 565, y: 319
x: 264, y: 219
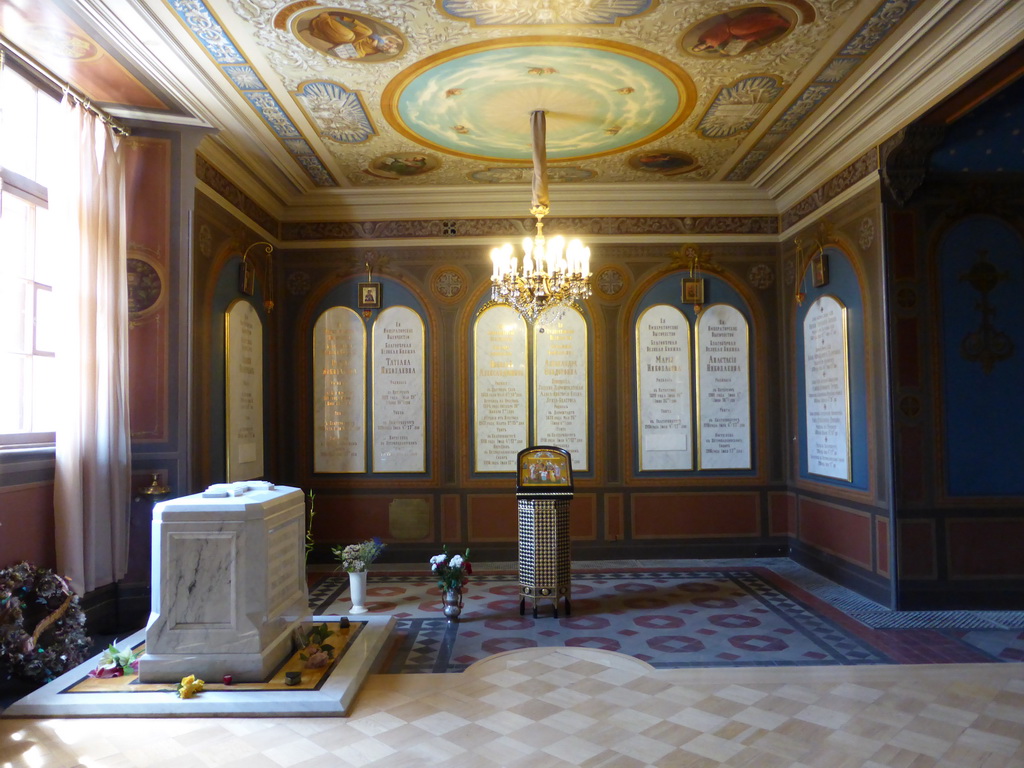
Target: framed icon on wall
x: 819, y: 270
x: 369, y: 295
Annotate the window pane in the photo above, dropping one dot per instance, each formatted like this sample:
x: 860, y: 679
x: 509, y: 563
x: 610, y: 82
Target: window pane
x: 15, y: 315
x: 44, y: 389
x: 13, y: 386
x: 45, y: 252
x: 45, y: 322
x: 47, y: 135
x: 16, y: 236
x: 18, y: 130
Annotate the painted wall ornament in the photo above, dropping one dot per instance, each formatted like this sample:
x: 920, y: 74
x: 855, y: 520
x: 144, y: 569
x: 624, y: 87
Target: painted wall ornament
x: 737, y: 107
x: 738, y: 32
x: 347, y: 35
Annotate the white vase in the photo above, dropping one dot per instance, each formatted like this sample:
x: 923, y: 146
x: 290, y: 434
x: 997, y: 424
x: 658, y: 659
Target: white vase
x: 357, y: 591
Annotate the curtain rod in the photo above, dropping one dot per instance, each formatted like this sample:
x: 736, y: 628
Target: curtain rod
x: 7, y: 48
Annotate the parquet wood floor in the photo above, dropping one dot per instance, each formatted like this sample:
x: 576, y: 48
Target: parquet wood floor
x: 549, y: 707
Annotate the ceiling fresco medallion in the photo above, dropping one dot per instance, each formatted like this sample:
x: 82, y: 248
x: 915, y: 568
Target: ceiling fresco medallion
x: 540, y: 12
x: 402, y: 165
x: 738, y: 31
x: 665, y: 162
x: 601, y: 97
x: 347, y: 35
x: 558, y: 175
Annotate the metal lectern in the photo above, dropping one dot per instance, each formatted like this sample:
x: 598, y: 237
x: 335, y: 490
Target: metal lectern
x: 544, y: 490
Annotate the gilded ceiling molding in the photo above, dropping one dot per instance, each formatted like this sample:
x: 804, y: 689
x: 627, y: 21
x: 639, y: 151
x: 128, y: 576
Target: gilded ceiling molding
x: 863, y: 166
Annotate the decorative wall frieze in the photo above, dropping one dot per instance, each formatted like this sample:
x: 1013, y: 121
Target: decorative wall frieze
x: 609, y: 225
x: 860, y: 168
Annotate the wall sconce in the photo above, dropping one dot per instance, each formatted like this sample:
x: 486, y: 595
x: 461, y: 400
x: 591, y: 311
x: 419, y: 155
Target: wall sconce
x: 818, y: 262
x: 247, y: 276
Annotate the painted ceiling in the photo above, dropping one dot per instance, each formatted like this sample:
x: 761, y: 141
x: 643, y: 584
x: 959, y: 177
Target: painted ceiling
x: 314, y: 96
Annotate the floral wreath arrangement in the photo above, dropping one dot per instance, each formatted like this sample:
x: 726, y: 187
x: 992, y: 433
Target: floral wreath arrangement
x: 356, y: 558
x: 42, y: 627
x: 453, y: 571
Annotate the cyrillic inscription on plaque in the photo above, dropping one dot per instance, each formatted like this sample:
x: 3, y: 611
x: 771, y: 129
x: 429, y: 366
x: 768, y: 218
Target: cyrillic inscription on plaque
x: 561, y: 395
x: 663, y: 389
x: 243, y: 344
x: 723, y: 385
x: 339, y: 392
x: 399, y: 413
x: 501, y: 391
x: 827, y: 389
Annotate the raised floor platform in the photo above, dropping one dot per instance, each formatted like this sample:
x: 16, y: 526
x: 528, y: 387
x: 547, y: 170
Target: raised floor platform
x: 321, y: 694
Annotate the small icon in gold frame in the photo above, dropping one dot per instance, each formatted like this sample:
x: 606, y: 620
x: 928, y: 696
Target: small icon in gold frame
x: 369, y: 295
x: 693, y: 290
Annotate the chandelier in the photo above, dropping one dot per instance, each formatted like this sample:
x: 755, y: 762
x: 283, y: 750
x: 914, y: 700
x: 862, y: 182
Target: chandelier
x: 551, y: 275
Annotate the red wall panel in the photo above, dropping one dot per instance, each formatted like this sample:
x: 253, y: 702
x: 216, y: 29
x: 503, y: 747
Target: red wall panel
x: 451, y: 519
x: 704, y: 515
x: 26, y: 525
x: 781, y: 514
x: 492, y: 517
x: 845, y: 533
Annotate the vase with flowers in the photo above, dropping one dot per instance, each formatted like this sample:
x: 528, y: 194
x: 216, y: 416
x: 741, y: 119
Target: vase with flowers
x: 355, y: 559
x: 452, y: 572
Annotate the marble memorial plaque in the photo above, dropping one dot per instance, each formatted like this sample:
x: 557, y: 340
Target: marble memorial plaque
x: 561, y: 388
x: 399, y: 380
x: 723, y: 386
x: 243, y: 344
x: 827, y: 389
x: 663, y: 389
x: 501, y: 390
x: 339, y: 392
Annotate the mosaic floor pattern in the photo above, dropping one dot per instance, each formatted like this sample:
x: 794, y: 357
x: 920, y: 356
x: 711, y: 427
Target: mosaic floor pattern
x: 666, y: 617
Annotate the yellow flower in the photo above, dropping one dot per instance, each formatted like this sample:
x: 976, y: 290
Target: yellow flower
x: 189, y: 687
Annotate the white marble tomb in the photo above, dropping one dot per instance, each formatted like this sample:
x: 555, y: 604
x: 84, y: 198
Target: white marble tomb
x: 229, y: 583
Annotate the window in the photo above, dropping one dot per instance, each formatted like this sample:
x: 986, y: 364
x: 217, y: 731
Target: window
x: 28, y: 326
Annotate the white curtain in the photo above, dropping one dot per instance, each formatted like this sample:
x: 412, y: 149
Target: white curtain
x: 92, y: 489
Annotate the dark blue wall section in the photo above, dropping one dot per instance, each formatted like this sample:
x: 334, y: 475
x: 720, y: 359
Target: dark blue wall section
x: 844, y: 286
x: 982, y: 357
x: 669, y: 290
x: 393, y: 294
